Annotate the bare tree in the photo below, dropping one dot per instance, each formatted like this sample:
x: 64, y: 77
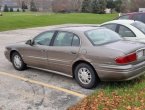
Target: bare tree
x: 125, y: 7
x: 76, y: 5
x: 67, y: 5
x: 136, y: 4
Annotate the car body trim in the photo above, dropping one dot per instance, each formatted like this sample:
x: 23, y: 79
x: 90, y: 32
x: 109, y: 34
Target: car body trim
x: 37, y: 57
x: 52, y: 71
x: 59, y: 60
x: 133, y: 77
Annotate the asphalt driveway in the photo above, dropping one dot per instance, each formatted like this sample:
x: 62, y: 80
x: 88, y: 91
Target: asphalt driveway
x: 34, y: 89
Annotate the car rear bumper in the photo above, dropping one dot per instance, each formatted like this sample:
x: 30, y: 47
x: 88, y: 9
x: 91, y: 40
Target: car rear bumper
x: 120, y: 73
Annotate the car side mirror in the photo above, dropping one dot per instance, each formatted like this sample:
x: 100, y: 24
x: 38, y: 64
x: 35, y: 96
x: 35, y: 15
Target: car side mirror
x: 29, y: 42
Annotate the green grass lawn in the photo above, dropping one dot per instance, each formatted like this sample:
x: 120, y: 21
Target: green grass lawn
x: 17, y: 20
x: 128, y: 95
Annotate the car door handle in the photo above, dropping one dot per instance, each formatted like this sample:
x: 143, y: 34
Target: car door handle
x: 43, y: 50
x: 72, y: 52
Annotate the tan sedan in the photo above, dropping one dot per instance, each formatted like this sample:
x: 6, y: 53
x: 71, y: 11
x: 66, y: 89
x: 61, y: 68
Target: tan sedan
x: 88, y: 54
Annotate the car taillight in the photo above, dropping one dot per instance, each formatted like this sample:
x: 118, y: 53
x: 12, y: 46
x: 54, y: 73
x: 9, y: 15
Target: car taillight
x: 127, y: 59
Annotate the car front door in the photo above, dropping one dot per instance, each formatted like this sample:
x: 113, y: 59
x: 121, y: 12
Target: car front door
x: 36, y: 55
x: 64, y: 51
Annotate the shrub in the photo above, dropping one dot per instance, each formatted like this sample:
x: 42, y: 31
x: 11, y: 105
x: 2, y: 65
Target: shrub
x: 18, y: 10
x: 11, y: 10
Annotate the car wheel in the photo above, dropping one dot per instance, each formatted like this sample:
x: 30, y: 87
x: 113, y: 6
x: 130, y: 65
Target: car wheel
x: 86, y: 76
x: 18, y: 62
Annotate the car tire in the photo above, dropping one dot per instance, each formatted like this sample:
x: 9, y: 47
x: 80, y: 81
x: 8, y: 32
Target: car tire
x: 86, y: 76
x: 18, y: 62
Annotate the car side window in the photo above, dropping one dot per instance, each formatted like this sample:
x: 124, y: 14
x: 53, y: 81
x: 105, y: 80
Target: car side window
x: 43, y: 38
x: 66, y: 39
x: 125, y: 32
x: 110, y: 26
x: 63, y: 39
x: 124, y: 17
x: 143, y: 18
x: 137, y: 17
x: 76, y: 41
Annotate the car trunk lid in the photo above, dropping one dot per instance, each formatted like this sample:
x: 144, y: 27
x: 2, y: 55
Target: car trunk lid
x: 125, y: 46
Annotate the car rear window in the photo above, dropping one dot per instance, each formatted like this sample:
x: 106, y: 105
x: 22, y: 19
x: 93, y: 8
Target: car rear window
x: 139, y: 25
x: 102, y: 36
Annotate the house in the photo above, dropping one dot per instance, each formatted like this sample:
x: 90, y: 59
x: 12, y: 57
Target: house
x: 141, y: 9
x: 45, y: 5
x: 107, y: 11
x: 0, y: 5
x: 10, y: 3
x: 56, y: 5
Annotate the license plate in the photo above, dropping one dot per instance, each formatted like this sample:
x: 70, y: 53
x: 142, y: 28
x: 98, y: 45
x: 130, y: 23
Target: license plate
x: 140, y: 54
x: 143, y: 52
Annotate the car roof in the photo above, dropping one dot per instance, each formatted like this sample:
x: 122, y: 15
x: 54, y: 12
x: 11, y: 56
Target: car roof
x: 133, y: 13
x: 121, y: 21
x: 78, y: 28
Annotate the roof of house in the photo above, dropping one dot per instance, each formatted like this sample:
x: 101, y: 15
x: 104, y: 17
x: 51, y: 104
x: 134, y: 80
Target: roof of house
x: 9, y: 3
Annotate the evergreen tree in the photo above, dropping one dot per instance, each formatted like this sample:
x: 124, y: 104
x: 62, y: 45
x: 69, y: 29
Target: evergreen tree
x: 110, y: 4
x: 33, y: 6
x: 18, y: 10
x: 24, y: 6
x: 86, y: 6
x: 11, y: 9
x: 6, y: 9
x: 99, y: 6
x: 95, y: 6
x: 118, y: 4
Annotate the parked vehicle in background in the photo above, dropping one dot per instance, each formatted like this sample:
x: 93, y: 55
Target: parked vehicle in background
x: 128, y: 29
x: 88, y: 54
x: 138, y: 16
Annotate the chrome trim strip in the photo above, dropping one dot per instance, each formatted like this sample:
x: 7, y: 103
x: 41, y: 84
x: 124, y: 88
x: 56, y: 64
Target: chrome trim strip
x: 120, y: 67
x: 48, y: 59
x: 59, y: 60
x: 37, y: 57
x: 140, y: 49
x: 60, y: 73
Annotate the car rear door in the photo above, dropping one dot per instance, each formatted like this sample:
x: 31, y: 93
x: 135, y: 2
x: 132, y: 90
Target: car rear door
x: 36, y: 55
x: 126, y: 33
x: 63, y: 52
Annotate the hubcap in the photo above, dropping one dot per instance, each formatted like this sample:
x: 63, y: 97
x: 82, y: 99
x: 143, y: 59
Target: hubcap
x: 17, y: 61
x: 84, y: 75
